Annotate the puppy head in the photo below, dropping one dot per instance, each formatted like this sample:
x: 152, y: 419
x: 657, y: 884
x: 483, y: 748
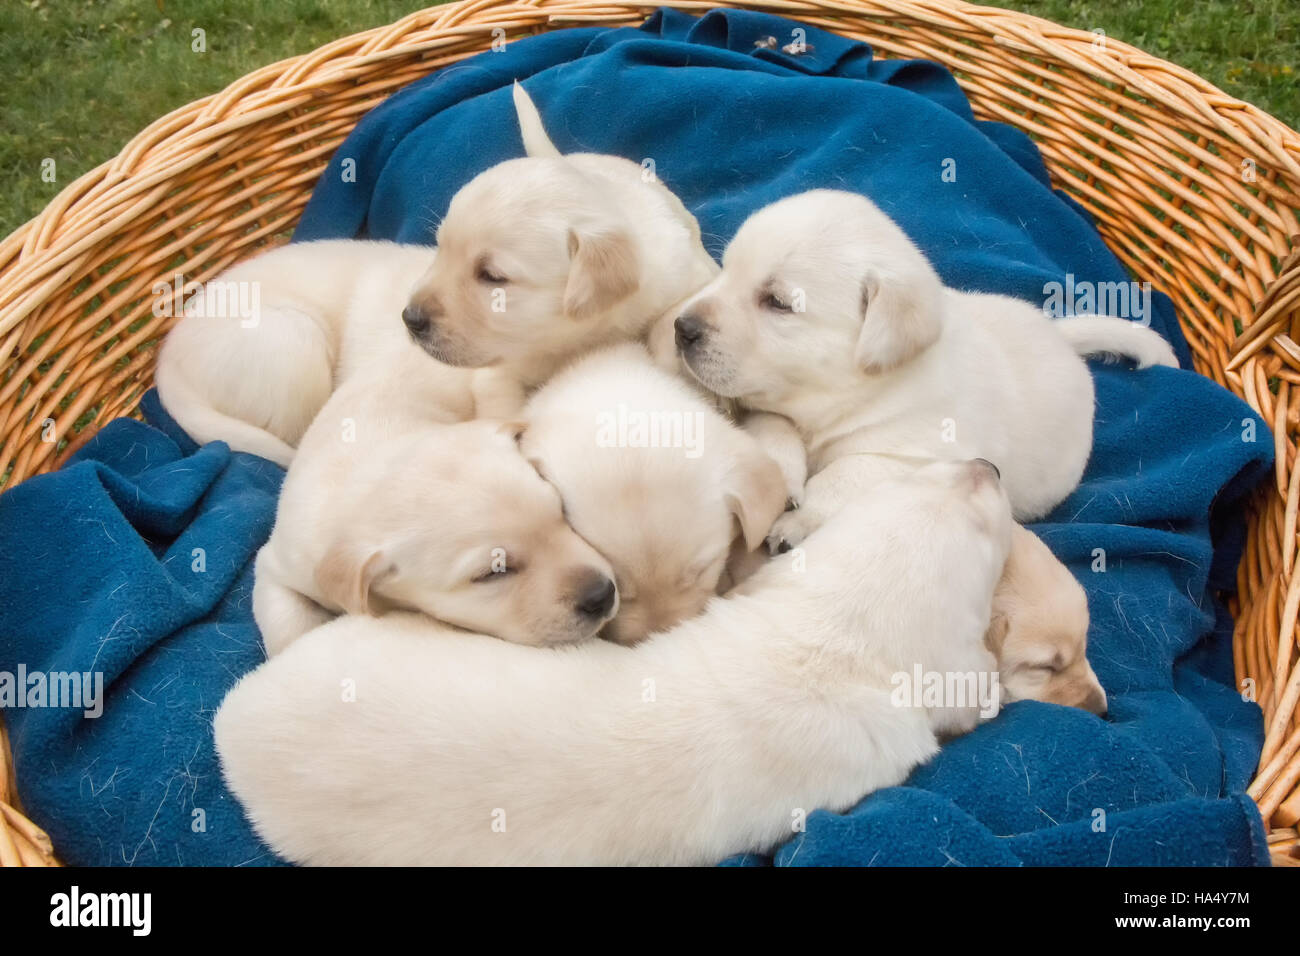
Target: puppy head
x: 664, y: 520
x: 458, y: 525
x: 1039, y: 632
x: 816, y: 291
x: 531, y: 258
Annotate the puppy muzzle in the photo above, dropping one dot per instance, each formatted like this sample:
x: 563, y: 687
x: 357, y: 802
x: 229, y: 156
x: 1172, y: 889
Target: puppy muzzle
x: 424, y: 330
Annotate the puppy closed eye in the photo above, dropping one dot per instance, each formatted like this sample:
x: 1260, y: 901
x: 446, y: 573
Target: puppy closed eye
x: 774, y: 302
x: 489, y: 276
x: 708, y: 569
x: 1051, y: 665
x: 494, y: 574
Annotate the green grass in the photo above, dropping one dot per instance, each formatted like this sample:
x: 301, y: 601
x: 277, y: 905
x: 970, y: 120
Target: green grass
x: 1248, y: 48
x: 83, y: 76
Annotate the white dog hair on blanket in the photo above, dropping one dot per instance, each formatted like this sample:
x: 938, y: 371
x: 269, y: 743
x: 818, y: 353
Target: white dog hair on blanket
x: 654, y: 478
x: 544, y: 257
x: 704, y: 741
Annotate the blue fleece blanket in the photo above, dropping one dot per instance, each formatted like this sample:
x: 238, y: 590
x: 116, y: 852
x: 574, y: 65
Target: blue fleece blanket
x: 134, y: 561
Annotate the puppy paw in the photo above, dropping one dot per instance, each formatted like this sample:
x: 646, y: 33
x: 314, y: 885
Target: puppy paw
x: 790, y: 530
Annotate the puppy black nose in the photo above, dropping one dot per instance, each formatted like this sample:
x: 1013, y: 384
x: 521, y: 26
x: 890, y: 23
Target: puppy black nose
x: 689, y: 329
x: 416, y: 319
x: 596, y: 599
x: 992, y: 467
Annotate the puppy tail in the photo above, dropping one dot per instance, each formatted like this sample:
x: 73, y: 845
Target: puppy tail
x: 1108, y: 336
x: 206, y: 424
x: 536, y: 142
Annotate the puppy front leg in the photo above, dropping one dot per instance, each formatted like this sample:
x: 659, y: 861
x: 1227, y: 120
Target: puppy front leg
x: 783, y: 444
x: 282, y: 614
x: 827, y: 492
x: 978, y: 667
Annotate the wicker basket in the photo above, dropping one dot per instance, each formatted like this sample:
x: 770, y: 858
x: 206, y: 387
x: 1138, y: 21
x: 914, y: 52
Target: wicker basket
x: 1196, y: 192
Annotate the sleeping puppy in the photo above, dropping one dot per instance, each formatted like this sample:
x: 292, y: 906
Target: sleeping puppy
x: 388, y: 507
x: 1039, y: 631
x: 545, y: 257
x: 826, y: 313
x: 262, y: 346
x: 704, y: 741
x: 654, y: 478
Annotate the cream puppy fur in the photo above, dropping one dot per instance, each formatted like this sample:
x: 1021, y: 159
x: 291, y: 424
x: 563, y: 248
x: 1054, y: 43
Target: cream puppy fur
x: 594, y: 253
x: 1039, y: 630
x: 654, y: 478
x: 386, y: 507
x: 778, y: 437
x: 826, y: 313
x: 544, y: 257
x: 263, y: 345
x: 701, y: 742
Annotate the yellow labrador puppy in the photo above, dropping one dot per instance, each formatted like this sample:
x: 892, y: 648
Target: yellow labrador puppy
x: 541, y: 258
x: 388, y: 507
x: 1039, y: 631
x: 544, y: 257
x: 261, y: 347
x: 704, y: 741
x: 825, y: 312
x: 654, y: 478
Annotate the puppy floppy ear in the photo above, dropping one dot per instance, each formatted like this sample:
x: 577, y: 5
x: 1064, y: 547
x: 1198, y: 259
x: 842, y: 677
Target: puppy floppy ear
x: 603, y: 270
x: 347, y: 574
x: 755, y: 490
x: 996, y: 635
x: 902, y: 314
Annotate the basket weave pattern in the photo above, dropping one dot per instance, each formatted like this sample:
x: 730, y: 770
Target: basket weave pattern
x: 1196, y: 192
